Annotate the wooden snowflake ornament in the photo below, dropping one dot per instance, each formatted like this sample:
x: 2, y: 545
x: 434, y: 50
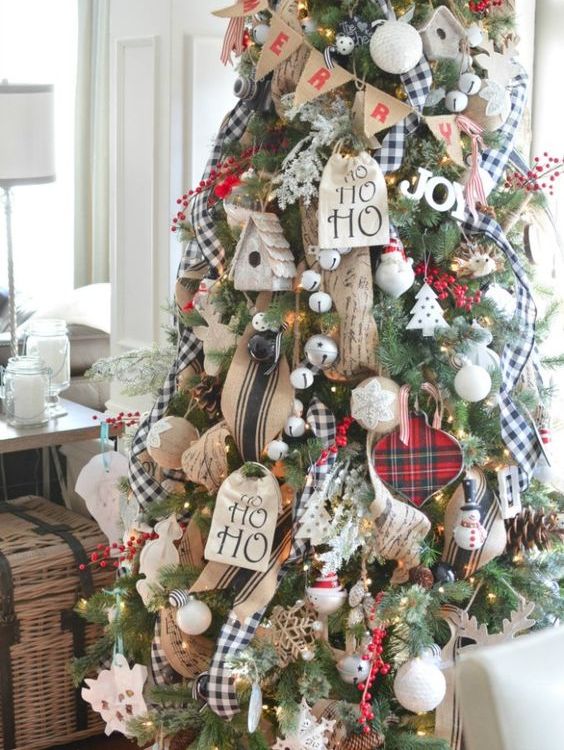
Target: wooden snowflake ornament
x: 292, y: 632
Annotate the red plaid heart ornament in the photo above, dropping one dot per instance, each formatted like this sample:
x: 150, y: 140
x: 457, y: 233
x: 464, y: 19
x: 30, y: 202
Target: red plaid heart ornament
x: 418, y: 460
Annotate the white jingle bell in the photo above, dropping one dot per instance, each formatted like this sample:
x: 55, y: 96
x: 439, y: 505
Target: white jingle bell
x: 419, y: 685
x: 472, y: 383
x: 474, y: 35
x: 456, y: 101
x: 353, y: 669
x: 259, y: 323
x: 310, y: 281
x: 321, y: 351
x: 193, y: 618
x: 301, y: 378
x: 260, y: 33
x: 276, y: 450
x: 309, y: 25
x: 344, y: 44
x: 297, y: 407
x: 396, y: 47
x: 329, y: 260
x: 295, y: 426
x: 469, y: 83
x: 320, y: 302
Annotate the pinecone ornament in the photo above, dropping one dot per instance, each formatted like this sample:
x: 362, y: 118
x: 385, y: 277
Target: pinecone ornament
x: 532, y: 530
x: 422, y: 576
x: 183, y: 739
x: 369, y: 741
x: 207, y: 395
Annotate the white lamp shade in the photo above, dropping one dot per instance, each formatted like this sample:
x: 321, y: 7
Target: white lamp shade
x: 27, y: 153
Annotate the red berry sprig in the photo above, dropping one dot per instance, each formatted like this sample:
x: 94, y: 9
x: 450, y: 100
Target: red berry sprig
x: 340, y: 441
x: 483, y: 6
x: 446, y: 284
x: 123, y: 419
x: 373, y: 653
x: 541, y: 176
x: 101, y: 557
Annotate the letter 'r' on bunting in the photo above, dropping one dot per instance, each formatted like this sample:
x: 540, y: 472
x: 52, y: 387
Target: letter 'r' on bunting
x: 318, y: 79
x: 382, y: 110
x: 281, y: 42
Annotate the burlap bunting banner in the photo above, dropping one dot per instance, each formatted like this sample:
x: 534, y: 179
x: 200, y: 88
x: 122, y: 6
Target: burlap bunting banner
x: 445, y: 129
x: 281, y: 42
x: 381, y: 110
x: 318, y: 79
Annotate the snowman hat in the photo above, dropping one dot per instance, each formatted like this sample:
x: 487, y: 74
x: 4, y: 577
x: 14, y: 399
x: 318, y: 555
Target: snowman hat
x: 470, y: 506
x: 329, y: 582
x: 395, y: 245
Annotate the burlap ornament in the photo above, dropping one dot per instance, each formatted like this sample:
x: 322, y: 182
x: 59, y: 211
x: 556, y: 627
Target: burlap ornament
x: 244, y: 521
x: 477, y: 111
x: 467, y: 562
x: 446, y: 131
x: 255, y: 405
x: 187, y: 655
x: 375, y: 404
x: 167, y: 440
x: 281, y: 42
x: 350, y: 287
x: 286, y: 76
x: 205, y: 462
x: 353, y: 202
x: 216, y: 337
x: 191, y: 547
x: 317, y: 79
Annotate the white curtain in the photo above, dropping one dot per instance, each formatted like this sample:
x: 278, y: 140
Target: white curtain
x: 91, y: 247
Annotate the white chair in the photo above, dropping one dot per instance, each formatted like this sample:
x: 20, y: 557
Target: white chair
x: 512, y: 695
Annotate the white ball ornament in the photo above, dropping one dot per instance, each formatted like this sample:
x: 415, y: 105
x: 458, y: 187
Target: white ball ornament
x: 474, y: 35
x: 329, y: 260
x: 309, y: 25
x: 301, y: 378
x: 396, y: 47
x: 353, y: 669
x: 320, y: 302
x: 193, y: 618
x: 321, y: 351
x: 419, y: 685
x: 295, y: 426
x: 344, y: 44
x: 259, y: 322
x: 469, y: 83
x: 276, y: 450
x: 307, y: 654
x: 310, y: 281
x: 456, y: 101
x: 472, y: 383
x: 260, y: 33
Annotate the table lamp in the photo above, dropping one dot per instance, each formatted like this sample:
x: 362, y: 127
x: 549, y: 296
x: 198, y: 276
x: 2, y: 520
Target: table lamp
x: 27, y: 157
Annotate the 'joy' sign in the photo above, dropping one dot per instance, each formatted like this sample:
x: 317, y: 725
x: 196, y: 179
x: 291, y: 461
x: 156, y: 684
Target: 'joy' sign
x: 440, y: 193
x: 244, y: 521
x: 353, y: 203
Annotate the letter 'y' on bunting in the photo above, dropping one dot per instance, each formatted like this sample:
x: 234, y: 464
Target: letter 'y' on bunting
x: 318, y: 79
x: 445, y: 129
x: 382, y: 110
x: 242, y: 8
x: 281, y: 42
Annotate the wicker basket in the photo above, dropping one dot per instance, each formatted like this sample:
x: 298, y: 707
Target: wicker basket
x: 41, y: 546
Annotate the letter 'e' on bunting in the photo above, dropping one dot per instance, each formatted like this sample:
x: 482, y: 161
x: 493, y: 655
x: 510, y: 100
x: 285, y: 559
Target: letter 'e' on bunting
x: 242, y: 8
x: 445, y: 129
x: 382, y: 110
x: 281, y: 42
x: 318, y: 79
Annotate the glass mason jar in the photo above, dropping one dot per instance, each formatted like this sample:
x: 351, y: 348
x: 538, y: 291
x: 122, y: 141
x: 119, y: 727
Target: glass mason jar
x: 48, y: 339
x: 25, y: 390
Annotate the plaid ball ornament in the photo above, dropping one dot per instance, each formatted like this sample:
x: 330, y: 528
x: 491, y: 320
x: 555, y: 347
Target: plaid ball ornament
x: 429, y: 460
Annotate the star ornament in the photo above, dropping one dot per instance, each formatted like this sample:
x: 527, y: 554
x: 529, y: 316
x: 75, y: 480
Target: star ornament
x: 310, y: 733
x: 371, y: 404
x: 117, y: 694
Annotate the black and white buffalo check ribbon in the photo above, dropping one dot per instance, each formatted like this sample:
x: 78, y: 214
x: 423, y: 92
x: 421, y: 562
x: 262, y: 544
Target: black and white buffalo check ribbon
x: 235, y: 635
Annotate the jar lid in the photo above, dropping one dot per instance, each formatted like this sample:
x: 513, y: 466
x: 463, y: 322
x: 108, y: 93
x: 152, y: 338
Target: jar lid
x: 26, y: 365
x: 47, y: 327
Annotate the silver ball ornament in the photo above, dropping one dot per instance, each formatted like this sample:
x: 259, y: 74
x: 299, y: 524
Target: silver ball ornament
x: 321, y: 351
x: 353, y: 669
x: 310, y: 281
x: 469, y: 83
x: 193, y: 618
x: 472, y: 383
x: 320, y: 302
x: 396, y: 47
x: 456, y: 101
x: 276, y: 450
x: 301, y: 378
x: 329, y: 260
x: 295, y: 426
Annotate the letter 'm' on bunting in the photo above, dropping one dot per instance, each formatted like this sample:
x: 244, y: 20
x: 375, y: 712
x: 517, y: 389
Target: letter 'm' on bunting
x: 242, y: 8
x: 381, y: 110
x: 318, y: 79
x: 445, y: 129
x: 281, y: 42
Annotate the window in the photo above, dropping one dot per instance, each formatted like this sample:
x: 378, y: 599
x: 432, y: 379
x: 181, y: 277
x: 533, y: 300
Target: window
x: 38, y: 45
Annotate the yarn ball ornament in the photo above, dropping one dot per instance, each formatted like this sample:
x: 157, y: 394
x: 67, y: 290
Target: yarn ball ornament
x: 167, y: 440
x: 419, y: 685
x: 396, y: 47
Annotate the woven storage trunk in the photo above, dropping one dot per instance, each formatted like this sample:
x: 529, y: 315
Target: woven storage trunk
x: 41, y: 547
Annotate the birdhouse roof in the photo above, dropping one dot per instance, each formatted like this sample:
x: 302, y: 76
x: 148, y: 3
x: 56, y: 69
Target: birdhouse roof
x: 441, y: 18
x: 277, y: 247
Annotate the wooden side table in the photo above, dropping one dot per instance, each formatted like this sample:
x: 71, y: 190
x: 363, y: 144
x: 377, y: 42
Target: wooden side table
x: 79, y: 423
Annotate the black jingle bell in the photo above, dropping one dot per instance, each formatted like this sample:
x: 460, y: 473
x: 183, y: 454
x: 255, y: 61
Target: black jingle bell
x: 444, y: 573
x: 262, y: 346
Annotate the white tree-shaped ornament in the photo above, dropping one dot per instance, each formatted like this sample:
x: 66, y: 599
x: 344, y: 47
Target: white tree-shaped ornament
x: 426, y: 314
x: 310, y: 733
x: 315, y: 524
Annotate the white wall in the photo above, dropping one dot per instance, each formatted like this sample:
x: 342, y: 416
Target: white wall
x: 168, y: 95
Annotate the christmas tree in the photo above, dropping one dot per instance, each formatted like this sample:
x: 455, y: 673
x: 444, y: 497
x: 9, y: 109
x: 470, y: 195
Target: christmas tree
x: 317, y: 506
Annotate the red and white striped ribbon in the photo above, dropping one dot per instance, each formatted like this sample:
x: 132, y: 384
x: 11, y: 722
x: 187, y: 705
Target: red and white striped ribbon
x: 233, y: 40
x: 433, y: 391
x: 404, y: 414
x: 474, y: 189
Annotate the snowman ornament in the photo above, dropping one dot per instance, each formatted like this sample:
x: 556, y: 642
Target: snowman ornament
x: 395, y: 274
x: 468, y: 533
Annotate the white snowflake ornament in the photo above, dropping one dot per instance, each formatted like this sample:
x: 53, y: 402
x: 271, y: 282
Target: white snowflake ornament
x: 310, y: 733
x: 117, y: 694
x: 372, y: 404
